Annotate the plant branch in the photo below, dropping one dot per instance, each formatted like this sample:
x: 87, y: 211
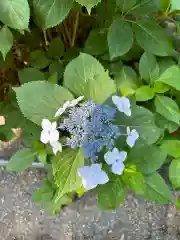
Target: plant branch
x: 75, y: 29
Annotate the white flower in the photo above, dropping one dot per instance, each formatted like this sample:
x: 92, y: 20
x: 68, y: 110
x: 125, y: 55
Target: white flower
x: 68, y: 104
x: 115, y: 158
x: 50, y: 134
x: 122, y: 104
x: 92, y: 176
x: 132, y: 136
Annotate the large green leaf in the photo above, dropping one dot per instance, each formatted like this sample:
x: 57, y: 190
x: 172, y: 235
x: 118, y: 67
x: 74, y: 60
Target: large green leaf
x: 147, y: 159
x: 171, y: 77
x: 148, y: 67
x: 112, y: 194
x: 125, y: 5
x: 143, y: 121
x: 15, y: 13
x: 126, y: 81
x: 85, y: 76
x: 175, y: 5
x: 21, y: 160
x: 164, y: 124
x: 38, y: 59
x: 30, y: 74
x: 56, y: 48
x: 144, y: 93
x: 49, y: 13
x: 43, y: 100
x: 65, y: 170
x: 6, y: 41
x: 167, y: 108
x: 120, y: 38
x: 152, y: 38
x: 144, y: 6
x: 174, y: 173
x: 89, y: 4
x: 157, y: 190
x: 171, y: 147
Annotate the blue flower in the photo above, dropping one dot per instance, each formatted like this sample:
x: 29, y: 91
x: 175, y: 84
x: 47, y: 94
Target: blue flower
x: 122, y: 104
x: 132, y: 136
x: 115, y: 158
x: 92, y: 176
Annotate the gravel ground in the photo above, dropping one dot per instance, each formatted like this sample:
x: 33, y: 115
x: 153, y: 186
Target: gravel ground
x: 21, y: 219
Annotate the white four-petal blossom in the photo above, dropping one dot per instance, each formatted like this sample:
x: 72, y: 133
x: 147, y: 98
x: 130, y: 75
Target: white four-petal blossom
x: 68, y: 104
x: 115, y: 158
x: 50, y: 134
x: 92, y: 176
x: 122, y: 104
x: 132, y: 136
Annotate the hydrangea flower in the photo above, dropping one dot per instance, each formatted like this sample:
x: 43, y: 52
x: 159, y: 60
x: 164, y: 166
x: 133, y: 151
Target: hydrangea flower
x: 92, y: 176
x: 132, y: 136
x: 68, y: 104
x: 122, y: 104
x: 115, y: 158
x: 50, y: 134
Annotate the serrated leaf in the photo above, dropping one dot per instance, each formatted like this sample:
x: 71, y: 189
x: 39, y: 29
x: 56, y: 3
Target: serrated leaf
x: 152, y: 38
x: 170, y: 77
x: 171, y: 147
x: 15, y: 13
x: 120, y: 38
x: 30, y: 74
x: 144, y: 93
x: 6, y: 41
x: 157, y: 190
x: 143, y: 121
x: 56, y: 48
x: 44, y: 99
x: 38, y: 59
x: 96, y: 44
x: 85, y: 76
x: 112, y: 194
x: 49, y: 13
x: 147, y: 159
x: 89, y: 4
x: 21, y: 160
x: 148, y: 67
x: 65, y: 170
x: 125, y: 5
x: 167, y: 108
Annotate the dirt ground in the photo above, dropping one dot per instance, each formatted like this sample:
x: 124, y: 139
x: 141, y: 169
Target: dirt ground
x: 21, y: 219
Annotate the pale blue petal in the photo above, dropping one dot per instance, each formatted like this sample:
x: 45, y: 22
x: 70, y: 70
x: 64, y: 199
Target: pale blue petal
x: 118, y: 168
x: 123, y: 156
x: 84, y: 171
x: 103, y: 178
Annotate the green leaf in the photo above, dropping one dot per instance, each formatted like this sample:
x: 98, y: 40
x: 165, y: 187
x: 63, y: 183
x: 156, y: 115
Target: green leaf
x: 44, y: 99
x: 171, y: 147
x: 171, y: 77
x: 164, y: 124
x: 148, y: 67
x: 85, y: 76
x: 160, y: 87
x: 6, y: 133
x: 38, y: 59
x: 126, y: 81
x: 144, y: 6
x: 177, y: 203
x: 152, y: 38
x: 96, y: 44
x: 89, y: 4
x: 165, y: 4
x: 167, y: 108
x: 65, y: 170
x: 135, y: 180
x: 15, y: 13
x: 21, y: 160
x: 175, y: 5
x: 174, y: 173
x: 56, y: 67
x: 157, y: 190
x: 147, y: 159
x: 120, y: 38
x: 49, y: 13
x: 56, y: 48
x: 6, y: 41
x: 125, y: 5
x: 112, y: 194
x: 143, y: 121
x: 30, y: 74
x: 144, y: 93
